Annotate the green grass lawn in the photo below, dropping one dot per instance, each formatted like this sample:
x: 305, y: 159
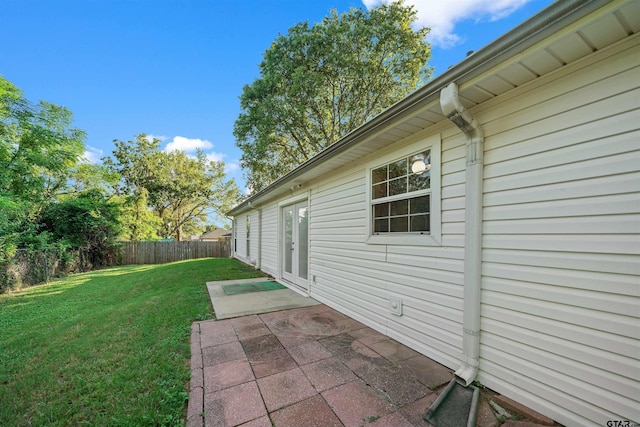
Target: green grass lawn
x: 109, y: 347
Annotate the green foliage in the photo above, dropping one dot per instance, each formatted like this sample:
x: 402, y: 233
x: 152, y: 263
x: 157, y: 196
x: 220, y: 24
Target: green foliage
x: 106, y: 348
x: 29, y: 266
x: 132, y: 162
x: 181, y: 190
x: 38, y: 146
x: 61, y: 238
x: 89, y: 176
x: 138, y: 221
x: 11, y: 217
x: 39, y: 152
x: 318, y: 83
x: 88, y: 222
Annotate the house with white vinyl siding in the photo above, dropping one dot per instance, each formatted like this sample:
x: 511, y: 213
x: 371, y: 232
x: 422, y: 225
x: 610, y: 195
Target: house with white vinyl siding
x: 491, y: 219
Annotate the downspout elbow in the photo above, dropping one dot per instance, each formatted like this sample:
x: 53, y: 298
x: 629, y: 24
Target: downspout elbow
x: 474, y: 172
x: 460, y: 116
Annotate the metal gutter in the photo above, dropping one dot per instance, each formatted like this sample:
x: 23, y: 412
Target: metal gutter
x: 558, y: 15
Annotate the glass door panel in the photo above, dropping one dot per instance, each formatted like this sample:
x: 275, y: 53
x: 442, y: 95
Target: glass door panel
x: 303, y: 240
x: 295, y: 244
x: 288, y: 240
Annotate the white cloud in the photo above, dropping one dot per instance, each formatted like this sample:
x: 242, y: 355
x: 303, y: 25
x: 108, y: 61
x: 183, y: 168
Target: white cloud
x: 442, y: 15
x: 231, y: 167
x: 190, y: 145
x: 150, y: 137
x: 92, y: 155
x: 216, y: 157
x: 187, y: 144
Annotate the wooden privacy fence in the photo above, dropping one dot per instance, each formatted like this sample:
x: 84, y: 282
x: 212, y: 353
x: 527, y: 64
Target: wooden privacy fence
x: 163, y: 252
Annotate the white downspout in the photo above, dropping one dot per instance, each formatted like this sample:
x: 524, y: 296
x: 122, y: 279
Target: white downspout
x: 455, y: 111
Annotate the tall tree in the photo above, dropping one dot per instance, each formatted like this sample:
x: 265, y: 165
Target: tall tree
x: 182, y: 190
x: 38, y: 146
x: 317, y: 83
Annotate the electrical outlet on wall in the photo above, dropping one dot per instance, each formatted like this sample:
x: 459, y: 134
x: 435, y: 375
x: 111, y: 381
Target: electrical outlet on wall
x: 395, y: 306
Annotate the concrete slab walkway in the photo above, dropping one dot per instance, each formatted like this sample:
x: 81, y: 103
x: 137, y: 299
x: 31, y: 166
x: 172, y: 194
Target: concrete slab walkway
x: 228, y: 306
x: 310, y: 366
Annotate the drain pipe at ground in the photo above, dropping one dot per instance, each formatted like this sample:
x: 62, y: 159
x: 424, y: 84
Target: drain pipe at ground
x: 455, y: 111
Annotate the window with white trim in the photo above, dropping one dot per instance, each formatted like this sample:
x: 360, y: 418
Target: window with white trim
x: 404, y: 194
x: 400, y: 195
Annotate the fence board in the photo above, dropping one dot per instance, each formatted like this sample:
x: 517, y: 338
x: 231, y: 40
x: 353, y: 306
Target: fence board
x: 164, y: 252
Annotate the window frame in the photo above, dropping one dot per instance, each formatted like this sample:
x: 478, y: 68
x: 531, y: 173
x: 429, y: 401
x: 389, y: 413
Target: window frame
x: 434, y: 236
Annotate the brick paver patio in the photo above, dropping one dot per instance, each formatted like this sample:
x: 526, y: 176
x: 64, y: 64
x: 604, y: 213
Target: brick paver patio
x: 309, y: 366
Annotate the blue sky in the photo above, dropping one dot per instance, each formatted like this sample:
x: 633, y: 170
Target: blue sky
x: 175, y: 68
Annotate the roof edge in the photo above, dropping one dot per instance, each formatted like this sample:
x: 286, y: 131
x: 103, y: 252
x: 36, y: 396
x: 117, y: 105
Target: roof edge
x: 533, y: 30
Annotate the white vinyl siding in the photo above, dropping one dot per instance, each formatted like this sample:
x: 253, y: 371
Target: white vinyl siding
x: 242, y: 240
x: 254, y: 240
x: 269, y: 230
x: 247, y: 234
x: 241, y: 237
x: 560, y: 316
x: 561, y: 297
x: 359, y: 278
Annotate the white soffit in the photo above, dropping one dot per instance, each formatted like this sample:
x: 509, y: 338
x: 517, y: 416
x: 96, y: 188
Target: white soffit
x: 619, y: 20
